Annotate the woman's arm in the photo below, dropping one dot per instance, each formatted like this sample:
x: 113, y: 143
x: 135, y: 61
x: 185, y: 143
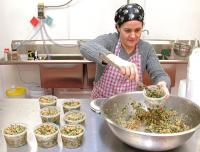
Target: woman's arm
x: 155, y: 69
x: 104, y: 43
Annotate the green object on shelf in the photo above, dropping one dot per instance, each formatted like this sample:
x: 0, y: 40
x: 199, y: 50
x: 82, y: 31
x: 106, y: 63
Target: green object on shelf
x: 165, y: 52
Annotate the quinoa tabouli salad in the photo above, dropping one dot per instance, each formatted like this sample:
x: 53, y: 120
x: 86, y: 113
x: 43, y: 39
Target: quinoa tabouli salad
x: 154, y: 92
x: 71, y: 104
x: 14, y: 129
x: 72, y: 130
x: 154, y: 95
x: 74, y: 117
x: 15, y: 135
x: 45, y: 129
x: 156, y: 120
x: 50, y: 114
x: 46, y: 135
x: 49, y: 111
x: 47, y: 100
x: 72, y: 135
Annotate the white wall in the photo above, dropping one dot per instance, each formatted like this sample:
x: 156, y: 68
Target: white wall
x: 85, y: 19
x: 165, y: 19
x: 82, y: 19
x: 173, y: 19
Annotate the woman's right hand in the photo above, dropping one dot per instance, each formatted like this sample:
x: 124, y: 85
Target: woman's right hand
x: 128, y: 69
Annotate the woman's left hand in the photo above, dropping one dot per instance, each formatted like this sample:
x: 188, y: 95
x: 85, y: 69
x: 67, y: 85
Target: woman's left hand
x: 163, y: 85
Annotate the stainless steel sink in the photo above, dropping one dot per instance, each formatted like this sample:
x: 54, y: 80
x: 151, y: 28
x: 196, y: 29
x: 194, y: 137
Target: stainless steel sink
x: 64, y: 57
x: 70, y: 57
x: 24, y: 57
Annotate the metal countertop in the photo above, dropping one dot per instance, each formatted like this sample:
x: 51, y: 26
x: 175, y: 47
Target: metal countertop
x: 13, y: 62
x: 98, y: 136
x: 75, y: 62
x: 174, y: 60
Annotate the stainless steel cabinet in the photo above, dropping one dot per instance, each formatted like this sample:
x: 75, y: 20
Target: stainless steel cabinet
x: 61, y: 75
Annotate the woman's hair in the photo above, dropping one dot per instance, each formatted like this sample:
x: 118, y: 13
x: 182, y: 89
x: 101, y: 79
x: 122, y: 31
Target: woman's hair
x: 129, y: 12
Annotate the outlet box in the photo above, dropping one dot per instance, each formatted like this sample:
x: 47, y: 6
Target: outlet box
x: 41, y: 11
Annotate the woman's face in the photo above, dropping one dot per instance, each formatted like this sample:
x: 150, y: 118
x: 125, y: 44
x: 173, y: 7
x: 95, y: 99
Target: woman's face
x: 129, y: 34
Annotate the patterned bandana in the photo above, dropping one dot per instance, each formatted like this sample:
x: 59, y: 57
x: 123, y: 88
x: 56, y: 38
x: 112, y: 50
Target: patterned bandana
x: 129, y: 12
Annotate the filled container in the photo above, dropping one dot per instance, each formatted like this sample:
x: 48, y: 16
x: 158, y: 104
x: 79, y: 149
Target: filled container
x: 46, y: 135
x: 71, y: 104
x: 47, y: 100
x: 72, y: 135
x: 50, y: 114
x: 75, y: 117
x: 15, y: 135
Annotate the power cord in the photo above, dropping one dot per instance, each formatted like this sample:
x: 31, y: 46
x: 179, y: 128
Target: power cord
x: 62, y: 5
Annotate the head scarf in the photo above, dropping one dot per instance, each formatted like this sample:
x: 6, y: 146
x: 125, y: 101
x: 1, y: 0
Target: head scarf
x: 129, y: 12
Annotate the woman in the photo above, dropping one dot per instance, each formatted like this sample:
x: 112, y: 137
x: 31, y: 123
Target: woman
x: 127, y: 51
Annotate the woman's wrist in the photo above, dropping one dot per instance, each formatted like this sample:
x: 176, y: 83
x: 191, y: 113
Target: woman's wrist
x: 163, y: 85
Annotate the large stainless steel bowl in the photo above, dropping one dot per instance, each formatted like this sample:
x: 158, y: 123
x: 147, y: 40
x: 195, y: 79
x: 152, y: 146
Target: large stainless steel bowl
x: 150, y: 141
x: 182, y: 50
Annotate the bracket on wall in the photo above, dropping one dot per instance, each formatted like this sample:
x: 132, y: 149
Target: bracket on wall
x: 41, y: 11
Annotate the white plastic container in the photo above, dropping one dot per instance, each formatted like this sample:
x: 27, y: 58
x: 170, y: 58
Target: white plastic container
x: 154, y: 101
x: 70, y: 137
x: 50, y: 138
x: 36, y: 92
x: 14, y: 139
x: 47, y: 115
x: 182, y: 88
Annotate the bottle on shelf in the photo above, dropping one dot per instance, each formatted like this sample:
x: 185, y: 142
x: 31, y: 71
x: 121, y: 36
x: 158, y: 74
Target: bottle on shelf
x: 14, y: 55
x: 6, y: 51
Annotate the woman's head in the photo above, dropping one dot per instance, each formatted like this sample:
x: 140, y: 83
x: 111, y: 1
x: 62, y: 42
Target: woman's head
x: 129, y: 23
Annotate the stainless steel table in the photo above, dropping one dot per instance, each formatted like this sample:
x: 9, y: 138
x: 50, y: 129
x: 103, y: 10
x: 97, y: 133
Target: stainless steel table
x: 98, y: 137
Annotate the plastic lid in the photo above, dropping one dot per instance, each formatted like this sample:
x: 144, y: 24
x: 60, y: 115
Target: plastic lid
x: 15, y: 91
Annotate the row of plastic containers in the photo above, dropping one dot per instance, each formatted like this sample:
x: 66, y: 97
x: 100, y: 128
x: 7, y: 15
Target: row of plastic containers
x: 30, y: 91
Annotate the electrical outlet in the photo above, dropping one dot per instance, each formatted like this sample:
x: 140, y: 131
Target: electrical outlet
x: 41, y: 11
